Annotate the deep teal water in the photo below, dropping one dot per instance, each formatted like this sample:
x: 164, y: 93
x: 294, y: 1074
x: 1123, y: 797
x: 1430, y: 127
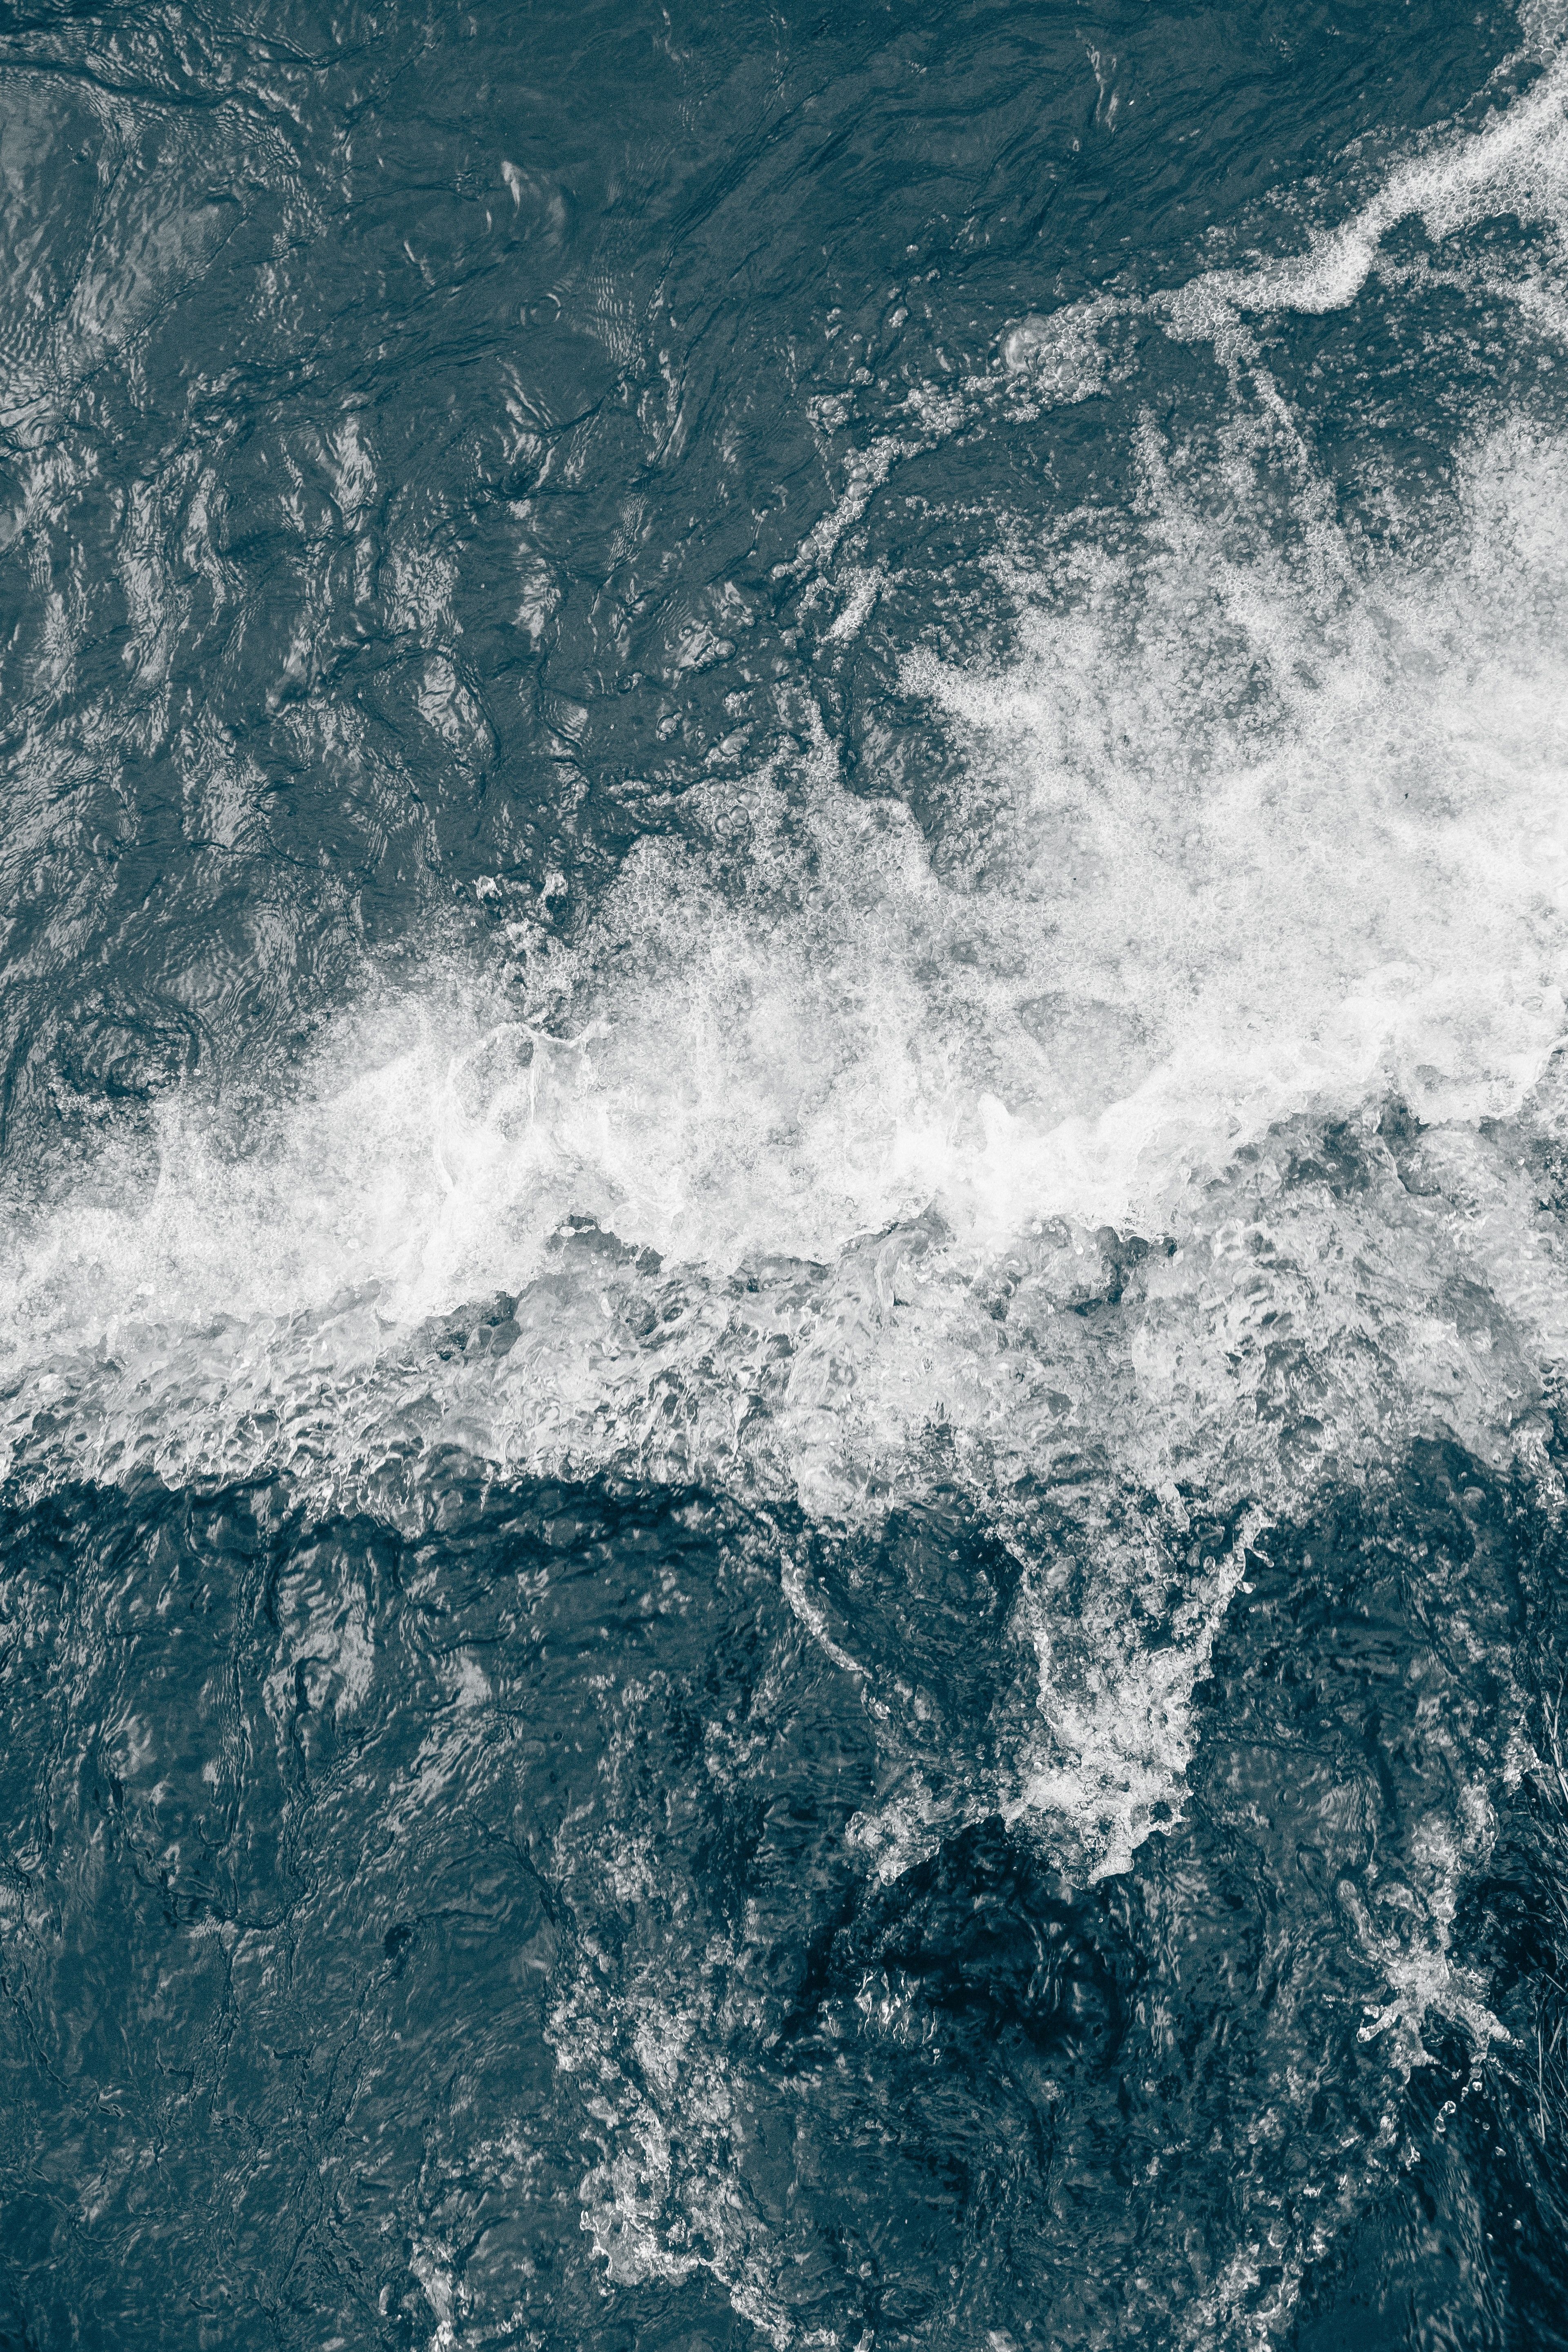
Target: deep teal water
x: 783, y: 1145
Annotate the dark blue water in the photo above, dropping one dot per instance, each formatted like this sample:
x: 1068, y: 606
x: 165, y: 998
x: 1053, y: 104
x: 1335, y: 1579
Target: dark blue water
x: 783, y: 1155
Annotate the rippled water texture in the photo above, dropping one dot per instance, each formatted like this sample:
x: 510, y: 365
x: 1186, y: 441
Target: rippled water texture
x: 784, y: 1177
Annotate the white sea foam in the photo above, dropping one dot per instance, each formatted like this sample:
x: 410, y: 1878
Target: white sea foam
x: 1515, y: 165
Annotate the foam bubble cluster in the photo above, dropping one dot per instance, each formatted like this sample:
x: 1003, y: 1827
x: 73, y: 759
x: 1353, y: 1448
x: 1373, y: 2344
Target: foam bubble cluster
x: 1514, y: 164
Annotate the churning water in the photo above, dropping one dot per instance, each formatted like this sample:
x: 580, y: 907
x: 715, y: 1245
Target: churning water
x: 784, y: 1273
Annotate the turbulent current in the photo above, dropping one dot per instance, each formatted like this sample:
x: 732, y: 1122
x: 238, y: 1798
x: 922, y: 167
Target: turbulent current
x: 784, y: 1176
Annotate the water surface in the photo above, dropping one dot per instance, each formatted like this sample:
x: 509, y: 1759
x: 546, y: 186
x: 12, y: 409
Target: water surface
x: 783, y: 1148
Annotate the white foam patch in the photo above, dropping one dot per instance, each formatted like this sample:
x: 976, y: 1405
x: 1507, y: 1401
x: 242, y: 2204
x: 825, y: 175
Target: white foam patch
x: 1298, y: 831
x: 1515, y: 165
